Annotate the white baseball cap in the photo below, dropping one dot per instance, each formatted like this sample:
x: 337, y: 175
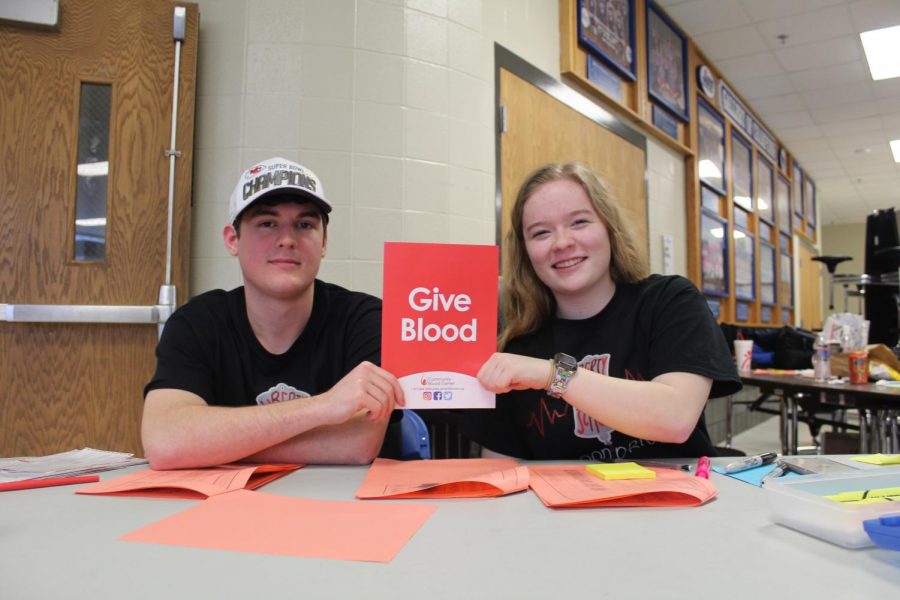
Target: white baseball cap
x: 275, y: 176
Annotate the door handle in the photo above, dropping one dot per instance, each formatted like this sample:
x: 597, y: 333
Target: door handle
x: 78, y: 313
x: 156, y: 314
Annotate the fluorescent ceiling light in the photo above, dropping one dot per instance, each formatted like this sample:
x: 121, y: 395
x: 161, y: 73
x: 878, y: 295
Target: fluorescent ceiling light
x: 882, y: 48
x: 895, y: 148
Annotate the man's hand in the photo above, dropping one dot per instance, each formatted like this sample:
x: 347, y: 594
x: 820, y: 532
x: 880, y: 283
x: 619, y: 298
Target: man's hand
x: 367, y: 388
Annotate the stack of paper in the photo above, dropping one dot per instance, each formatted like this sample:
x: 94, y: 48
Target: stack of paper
x: 64, y: 464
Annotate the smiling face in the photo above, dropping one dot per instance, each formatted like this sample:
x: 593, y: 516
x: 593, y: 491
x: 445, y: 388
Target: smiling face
x: 280, y: 247
x: 569, y: 248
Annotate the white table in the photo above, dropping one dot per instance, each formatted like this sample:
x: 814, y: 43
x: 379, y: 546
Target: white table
x: 56, y: 544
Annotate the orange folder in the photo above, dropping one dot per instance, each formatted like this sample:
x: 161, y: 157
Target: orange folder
x: 191, y: 483
x: 245, y: 521
x: 570, y: 486
x: 446, y: 478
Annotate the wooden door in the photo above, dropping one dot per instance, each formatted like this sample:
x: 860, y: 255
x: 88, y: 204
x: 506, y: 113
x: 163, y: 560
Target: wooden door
x: 68, y: 385
x: 810, y: 291
x: 539, y: 129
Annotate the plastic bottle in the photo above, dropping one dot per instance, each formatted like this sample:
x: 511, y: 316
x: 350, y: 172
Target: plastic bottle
x: 821, y: 359
x: 846, y: 341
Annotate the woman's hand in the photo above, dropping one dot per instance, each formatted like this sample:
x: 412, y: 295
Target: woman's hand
x: 504, y: 372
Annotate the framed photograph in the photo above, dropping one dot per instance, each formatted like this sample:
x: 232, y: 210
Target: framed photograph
x: 767, y: 282
x: 809, y: 201
x: 741, y: 171
x: 744, y: 263
x: 783, y: 204
x: 713, y: 254
x: 764, y: 192
x: 711, y: 146
x: 709, y: 199
x: 797, y: 189
x: 786, y: 281
x: 706, y: 81
x: 606, y: 29
x: 666, y: 62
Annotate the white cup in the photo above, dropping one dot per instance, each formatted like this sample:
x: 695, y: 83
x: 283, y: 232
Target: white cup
x: 743, y: 354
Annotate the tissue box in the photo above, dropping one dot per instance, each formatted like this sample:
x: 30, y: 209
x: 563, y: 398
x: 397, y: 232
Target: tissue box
x: 800, y: 503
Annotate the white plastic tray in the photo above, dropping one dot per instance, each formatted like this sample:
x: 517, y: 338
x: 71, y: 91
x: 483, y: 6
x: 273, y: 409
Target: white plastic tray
x: 799, y: 503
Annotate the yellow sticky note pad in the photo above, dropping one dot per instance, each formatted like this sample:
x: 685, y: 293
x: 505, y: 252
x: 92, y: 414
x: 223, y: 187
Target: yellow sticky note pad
x: 625, y: 470
x: 879, y: 459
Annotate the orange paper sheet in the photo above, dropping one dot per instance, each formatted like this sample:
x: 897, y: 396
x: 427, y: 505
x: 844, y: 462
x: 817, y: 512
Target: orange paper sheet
x: 244, y: 521
x: 447, y: 478
x: 191, y: 483
x: 570, y: 486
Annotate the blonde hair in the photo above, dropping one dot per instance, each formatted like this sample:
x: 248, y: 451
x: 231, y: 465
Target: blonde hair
x: 527, y: 302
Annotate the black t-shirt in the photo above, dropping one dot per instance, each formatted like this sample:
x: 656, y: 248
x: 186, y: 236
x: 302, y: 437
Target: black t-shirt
x: 659, y: 325
x: 208, y: 348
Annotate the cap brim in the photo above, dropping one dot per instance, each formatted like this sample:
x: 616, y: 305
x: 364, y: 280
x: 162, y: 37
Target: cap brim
x: 288, y: 191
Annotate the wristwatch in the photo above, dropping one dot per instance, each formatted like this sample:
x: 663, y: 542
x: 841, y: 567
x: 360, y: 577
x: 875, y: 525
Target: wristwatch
x: 564, y: 369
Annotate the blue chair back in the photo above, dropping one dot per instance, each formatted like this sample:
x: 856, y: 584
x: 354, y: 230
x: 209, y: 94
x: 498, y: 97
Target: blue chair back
x: 415, y: 443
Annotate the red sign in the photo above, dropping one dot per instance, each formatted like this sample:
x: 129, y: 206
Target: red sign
x: 439, y: 321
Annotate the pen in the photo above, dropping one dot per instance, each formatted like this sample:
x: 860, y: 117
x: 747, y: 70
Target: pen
x: 750, y: 462
x: 779, y: 470
x: 703, y: 467
x: 28, y: 484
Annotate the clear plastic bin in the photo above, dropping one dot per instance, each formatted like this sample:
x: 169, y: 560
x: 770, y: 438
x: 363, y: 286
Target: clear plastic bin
x: 800, y: 503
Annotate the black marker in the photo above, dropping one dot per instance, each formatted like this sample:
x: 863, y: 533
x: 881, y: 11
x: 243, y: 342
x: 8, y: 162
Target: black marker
x: 750, y: 462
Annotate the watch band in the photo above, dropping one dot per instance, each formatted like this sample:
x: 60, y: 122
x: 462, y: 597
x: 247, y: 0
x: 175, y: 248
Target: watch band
x: 564, y: 368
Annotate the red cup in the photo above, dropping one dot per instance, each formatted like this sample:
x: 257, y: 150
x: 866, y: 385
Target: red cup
x: 859, y: 367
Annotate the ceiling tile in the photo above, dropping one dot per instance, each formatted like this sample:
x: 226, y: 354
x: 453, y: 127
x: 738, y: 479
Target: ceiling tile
x: 844, y: 112
x: 887, y: 88
x: 807, y: 28
x: 833, y: 96
x: 752, y: 66
x: 765, y: 10
x: 791, y: 120
x: 874, y: 14
x: 819, y: 54
x: 839, y: 128
x: 822, y: 77
x: 719, y: 45
x: 763, y: 87
x: 778, y: 104
x: 704, y: 16
x: 797, y: 134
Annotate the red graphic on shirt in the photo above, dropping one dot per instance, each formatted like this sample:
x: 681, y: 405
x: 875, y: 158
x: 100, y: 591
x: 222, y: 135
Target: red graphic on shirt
x: 631, y: 377
x: 537, y: 419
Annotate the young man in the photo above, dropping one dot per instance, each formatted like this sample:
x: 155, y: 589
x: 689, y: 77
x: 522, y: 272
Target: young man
x: 282, y: 369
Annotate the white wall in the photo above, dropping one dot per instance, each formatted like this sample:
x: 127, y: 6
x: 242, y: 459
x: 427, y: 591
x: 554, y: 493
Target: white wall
x: 391, y: 103
x: 843, y: 240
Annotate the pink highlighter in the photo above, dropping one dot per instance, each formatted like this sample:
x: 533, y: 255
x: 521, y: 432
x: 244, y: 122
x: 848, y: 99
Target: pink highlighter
x: 703, y: 467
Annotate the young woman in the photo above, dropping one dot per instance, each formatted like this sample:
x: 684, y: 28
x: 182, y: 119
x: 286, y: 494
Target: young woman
x: 598, y: 360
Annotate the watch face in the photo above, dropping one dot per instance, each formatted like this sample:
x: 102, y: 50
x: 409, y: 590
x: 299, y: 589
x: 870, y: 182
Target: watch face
x: 567, y: 362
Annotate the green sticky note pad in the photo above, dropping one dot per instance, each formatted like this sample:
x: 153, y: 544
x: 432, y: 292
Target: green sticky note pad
x: 625, y: 470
